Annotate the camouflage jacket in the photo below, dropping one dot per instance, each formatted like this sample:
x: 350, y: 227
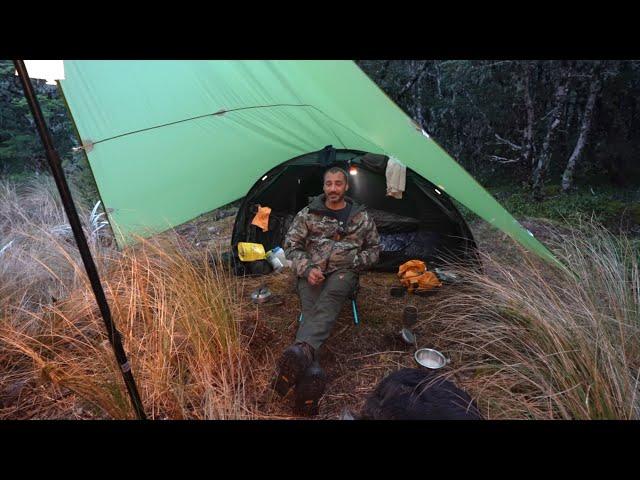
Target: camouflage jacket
x: 314, y: 239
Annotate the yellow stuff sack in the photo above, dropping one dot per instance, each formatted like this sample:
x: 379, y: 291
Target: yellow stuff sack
x: 250, y: 252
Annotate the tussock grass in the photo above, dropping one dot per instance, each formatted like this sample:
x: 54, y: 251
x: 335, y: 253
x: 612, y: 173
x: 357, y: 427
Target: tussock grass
x: 176, y: 310
x: 526, y: 340
x: 536, y: 342
x: 39, y: 258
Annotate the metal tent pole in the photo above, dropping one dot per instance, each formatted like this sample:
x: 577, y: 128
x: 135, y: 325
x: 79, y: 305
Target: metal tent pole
x: 74, y: 221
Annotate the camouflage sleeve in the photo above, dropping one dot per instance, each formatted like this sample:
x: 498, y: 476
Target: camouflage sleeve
x: 294, y: 244
x: 370, y: 247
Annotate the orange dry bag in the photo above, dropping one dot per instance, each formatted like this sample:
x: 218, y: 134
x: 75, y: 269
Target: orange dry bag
x: 414, y: 274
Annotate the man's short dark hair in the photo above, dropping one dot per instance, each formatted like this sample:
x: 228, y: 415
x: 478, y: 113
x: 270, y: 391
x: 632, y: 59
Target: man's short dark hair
x: 336, y: 170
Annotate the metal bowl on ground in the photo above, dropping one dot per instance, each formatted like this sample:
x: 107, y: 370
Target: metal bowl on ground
x: 408, y: 336
x: 429, y: 358
x: 261, y: 295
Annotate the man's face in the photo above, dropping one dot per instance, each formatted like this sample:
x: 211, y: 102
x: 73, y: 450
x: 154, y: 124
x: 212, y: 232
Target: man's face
x: 335, y: 186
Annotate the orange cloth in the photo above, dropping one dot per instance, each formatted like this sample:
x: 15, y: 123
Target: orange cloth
x: 262, y: 218
x: 412, y: 268
x: 414, y: 274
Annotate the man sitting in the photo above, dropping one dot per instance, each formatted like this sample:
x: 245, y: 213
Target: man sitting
x: 329, y: 242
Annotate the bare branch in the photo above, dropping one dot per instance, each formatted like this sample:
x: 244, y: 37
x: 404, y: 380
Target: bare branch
x: 411, y: 82
x: 502, y: 160
x: 484, y: 115
x: 544, y: 117
x: 383, y: 70
x: 492, y: 64
x: 511, y: 144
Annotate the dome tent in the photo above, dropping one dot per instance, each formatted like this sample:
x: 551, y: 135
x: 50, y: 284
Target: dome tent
x: 170, y: 140
x: 423, y: 225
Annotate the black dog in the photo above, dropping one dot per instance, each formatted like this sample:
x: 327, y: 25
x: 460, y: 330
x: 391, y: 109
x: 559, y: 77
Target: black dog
x: 413, y: 394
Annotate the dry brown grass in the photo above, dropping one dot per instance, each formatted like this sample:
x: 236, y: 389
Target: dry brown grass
x: 177, y: 312
x: 525, y: 340
x: 530, y: 341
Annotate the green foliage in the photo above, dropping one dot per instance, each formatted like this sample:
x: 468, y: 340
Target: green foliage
x: 80, y: 177
x: 476, y: 110
x: 613, y: 207
x: 616, y: 208
x: 20, y: 146
x: 21, y: 151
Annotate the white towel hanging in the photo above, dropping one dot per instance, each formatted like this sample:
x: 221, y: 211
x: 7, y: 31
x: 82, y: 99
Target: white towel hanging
x: 396, y: 174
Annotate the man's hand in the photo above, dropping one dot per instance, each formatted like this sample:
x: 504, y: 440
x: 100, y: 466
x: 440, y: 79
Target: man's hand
x: 315, y: 276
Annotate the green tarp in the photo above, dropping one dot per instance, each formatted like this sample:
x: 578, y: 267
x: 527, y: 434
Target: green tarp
x: 174, y: 139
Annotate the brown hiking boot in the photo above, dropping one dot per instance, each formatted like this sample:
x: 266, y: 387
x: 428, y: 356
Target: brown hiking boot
x: 291, y: 365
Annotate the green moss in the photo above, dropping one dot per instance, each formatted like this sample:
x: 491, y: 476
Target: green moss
x: 633, y: 211
x: 609, y: 205
x: 550, y: 190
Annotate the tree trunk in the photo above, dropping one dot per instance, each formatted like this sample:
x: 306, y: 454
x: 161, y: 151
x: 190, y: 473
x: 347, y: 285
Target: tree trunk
x: 437, y: 69
x: 383, y: 70
x: 417, y: 102
x: 419, y: 116
x: 418, y: 74
x: 542, y: 165
x: 433, y: 112
x: 594, y: 90
x: 528, y: 146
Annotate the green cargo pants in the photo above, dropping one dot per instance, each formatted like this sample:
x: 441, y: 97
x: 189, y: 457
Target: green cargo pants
x: 321, y: 305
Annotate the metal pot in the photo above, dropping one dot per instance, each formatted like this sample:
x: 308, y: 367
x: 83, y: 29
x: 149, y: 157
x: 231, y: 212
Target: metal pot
x: 408, y: 336
x: 409, y: 316
x: 261, y: 295
x: 429, y: 358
